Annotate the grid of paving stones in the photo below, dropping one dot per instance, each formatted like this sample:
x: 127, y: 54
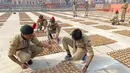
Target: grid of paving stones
x: 54, y: 49
x: 123, y: 32
x: 105, y: 27
x: 63, y: 67
x: 98, y: 40
x: 122, y: 55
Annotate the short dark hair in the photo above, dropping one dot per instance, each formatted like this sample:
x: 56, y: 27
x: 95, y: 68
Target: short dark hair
x: 76, y: 34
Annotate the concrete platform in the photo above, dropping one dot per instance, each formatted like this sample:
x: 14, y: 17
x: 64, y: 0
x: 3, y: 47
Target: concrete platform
x: 101, y: 63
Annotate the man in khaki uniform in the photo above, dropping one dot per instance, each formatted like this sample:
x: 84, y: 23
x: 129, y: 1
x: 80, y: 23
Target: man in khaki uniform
x: 124, y: 9
x: 115, y: 20
x: 80, y: 44
x: 74, y: 9
x: 41, y: 22
x: 53, y: 28
x: 24, y: 47
x: 86, y: 8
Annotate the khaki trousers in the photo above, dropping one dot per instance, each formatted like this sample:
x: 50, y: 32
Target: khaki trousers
x: 26, y: 54
x: 78, y: 53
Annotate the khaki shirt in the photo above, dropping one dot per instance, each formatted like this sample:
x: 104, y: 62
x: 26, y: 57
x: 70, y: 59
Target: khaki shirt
x: 125, y: 5
x: 83, y: 44
x: 86, y: 5
x: 42, y: 22
x: 53, y: 28
x: 115, y: 18
x: 18, y: 43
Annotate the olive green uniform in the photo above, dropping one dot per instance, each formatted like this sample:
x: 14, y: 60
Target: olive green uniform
x: 41, y: 23
x: 124, y: 9
x: 23, y: 49
x: 52, y: 29
x: 80, y: 47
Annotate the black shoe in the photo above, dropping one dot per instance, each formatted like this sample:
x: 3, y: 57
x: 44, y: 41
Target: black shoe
x: 121, y: 20
x: 30, y: 62
x: 67, y: 57
x: 26, y: 64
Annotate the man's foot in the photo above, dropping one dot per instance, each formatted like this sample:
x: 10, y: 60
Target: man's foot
x: 113, y: 23
x: 30, y: 62
x: 67, y: 57
x: 86, y: 15
x: 26, y: 64
x: 121, y: 20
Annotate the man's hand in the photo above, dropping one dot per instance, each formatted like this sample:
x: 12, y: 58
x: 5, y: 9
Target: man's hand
x: 84, y: 69
x: 24, y: 66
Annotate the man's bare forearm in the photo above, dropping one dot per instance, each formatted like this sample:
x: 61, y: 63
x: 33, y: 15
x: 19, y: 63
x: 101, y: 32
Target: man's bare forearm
x: 15, y: 60
x: 89, y: 60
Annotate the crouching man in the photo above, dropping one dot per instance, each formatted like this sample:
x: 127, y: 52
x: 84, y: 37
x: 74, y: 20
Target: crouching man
x: 81, y: 46
x: 24, y: 47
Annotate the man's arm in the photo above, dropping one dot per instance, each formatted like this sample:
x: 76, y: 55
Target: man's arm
x: 12, y: 57
x: 45, y: 24
x: 39, y: 43
x: 57, y: 32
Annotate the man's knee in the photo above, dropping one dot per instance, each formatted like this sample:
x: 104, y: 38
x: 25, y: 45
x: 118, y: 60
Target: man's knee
x: 64, y: 39
x: 38, y: 51
x: 23, y: 57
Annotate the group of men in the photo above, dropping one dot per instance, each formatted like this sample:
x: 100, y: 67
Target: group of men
x: 115, y: 19
x: 75, y: 6
x: 25, y: 45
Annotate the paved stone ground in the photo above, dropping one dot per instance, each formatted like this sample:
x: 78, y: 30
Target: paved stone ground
x: 101, y: 63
